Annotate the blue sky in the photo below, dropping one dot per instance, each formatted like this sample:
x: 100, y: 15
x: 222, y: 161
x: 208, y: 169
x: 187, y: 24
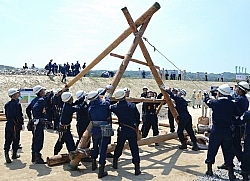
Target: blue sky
x: 210, y: 36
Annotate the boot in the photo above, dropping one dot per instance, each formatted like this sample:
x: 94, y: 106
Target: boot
x: 231, y: 174
x: 195, y: 147
x: 101, y: 171
x: 223, y: 166
x: 115, y: 163
x: 245, y: 175
x: 15, y: 155
x: 183, y: 145
x: 33, y: 157
x: 7, y: 157
x: 38, y: 159
x: 94, y: 166
x: 137, y: 168
x: 209, y: 169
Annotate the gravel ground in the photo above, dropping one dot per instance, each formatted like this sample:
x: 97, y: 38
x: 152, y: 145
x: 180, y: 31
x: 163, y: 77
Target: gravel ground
x: 221, y: 174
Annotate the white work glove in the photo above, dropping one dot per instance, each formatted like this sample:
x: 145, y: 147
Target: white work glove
x: 109, y: 87
x: 153, y: 98
x: 107, y: 96
x: 86, y: 98
x: 36, y: 122
x: 23, y: 127
x: 163, y: 87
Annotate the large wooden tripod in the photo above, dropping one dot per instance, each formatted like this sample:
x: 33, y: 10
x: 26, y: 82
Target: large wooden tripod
x: 141, y: 22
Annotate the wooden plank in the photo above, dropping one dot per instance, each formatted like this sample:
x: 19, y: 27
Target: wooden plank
x: 132, y: 60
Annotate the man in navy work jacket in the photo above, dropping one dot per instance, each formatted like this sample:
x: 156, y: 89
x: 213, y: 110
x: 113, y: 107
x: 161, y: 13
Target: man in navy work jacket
x: 65, y: 135
x: 222, y: 116
x: 241, y: 88
x: 185, y: 119
x: 38, y: 111
x: 14, y: 124
x: 129, y: 119
x: 245, y: 163
x: 36, y: 90
x: 99, y: 114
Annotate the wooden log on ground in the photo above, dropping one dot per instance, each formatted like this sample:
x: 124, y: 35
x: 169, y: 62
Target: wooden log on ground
x: 58, y: 159
x: 144, y: 17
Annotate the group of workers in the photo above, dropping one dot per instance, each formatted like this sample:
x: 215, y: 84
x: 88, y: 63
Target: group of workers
x: 230, y: 125
x: 229, y: 117
x: 66, y: 69
x: 196, y: 99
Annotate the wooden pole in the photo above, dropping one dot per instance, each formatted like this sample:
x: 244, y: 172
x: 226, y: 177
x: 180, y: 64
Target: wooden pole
x: 152, y: 67
x: 80, y: 154
x: 86, y: 136
x: 119, y: 73
x: 144, y: 17
x: 130, y: 99
x: 58, y: 159
x: 83, y: 153
x: 132, y: 60
x: 159, y: 108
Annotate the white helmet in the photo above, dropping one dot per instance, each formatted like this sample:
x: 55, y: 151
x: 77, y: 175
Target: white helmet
x: 126, y: 89
x: 80, y: 94
x: 12, y: 91
x: 37, y: 89
x: 194, y: 90
x: 183, y: 92
x: 243, y: 85
x: 224, y: 89
x: 93, y: 95
x: 119, y: 94
x: 66, y: 96
x: 144, y: 87
x: 100, y: 90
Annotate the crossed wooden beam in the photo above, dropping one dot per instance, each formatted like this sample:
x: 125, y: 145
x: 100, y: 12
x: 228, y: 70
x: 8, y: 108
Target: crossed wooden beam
x: 141, y: 22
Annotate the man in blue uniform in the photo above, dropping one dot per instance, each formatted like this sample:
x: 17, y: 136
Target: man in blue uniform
x: 14, y: 124
x: 73, y: 69
x: 64, y: 72
x: 49, y: 108
x: 65, y: 135
x: 50, y: 67
x: 77, y: 68
x: 38, y: 111
x: 56, y: 108
x: 239, y: 97
x: 170, y: 115
x: 99, y: 113
x: 151, y: 119
x: 185, y: 119
x: 55, y: 68
x: 30, y: 125
x: 82, y: 116
x: 129, y: 120
x: 245, y: 163
x: 222, y: 116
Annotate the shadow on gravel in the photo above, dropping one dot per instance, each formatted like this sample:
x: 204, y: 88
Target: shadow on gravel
x: 15, y: 165
x: 42, y: 169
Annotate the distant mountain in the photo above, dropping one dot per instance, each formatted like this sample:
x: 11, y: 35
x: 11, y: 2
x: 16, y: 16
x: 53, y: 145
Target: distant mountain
x: 6, y: 67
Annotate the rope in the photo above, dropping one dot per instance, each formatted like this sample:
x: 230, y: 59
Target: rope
x: 155, y: 49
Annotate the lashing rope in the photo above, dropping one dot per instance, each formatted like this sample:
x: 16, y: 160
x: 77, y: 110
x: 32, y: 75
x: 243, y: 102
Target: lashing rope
x: 155, y: 49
